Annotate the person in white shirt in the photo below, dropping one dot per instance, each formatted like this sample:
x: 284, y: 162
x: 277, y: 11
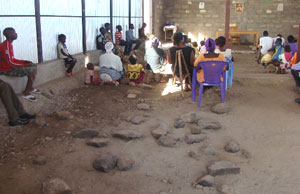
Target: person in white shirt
x: 111, y: 67
x: 265, y: 44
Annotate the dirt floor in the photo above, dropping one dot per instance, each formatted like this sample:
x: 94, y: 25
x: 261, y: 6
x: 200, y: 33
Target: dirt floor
x: 264, y: 119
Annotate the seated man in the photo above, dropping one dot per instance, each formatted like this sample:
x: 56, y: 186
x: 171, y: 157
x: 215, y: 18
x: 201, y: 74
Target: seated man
x: 265, y: 44
x: 101, y: 39
x: 111, y: 67
x: 14, y: 108
x: 14, y: 67
x: 130, y: 39
x: 108, y: 33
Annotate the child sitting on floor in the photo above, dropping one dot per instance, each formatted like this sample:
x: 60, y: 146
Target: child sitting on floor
x: 285, y: 59
x: 135, y: 72
x: 267, y: 58
x: 63, y: 53
x: 89, y: 76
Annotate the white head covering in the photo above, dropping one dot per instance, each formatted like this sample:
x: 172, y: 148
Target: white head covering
x: 109, y: 46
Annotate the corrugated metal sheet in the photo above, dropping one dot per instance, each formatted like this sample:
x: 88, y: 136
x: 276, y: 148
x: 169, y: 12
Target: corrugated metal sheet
x: 17, y: 7
x: 25, y: 47
x: 52, y: 27
x: 61, y: 7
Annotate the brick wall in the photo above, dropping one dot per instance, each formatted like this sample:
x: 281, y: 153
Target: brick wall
x: 158, y: 17
x: 258, y: 15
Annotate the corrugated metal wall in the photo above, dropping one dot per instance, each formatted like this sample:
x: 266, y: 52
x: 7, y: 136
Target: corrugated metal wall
x: 63, y: 17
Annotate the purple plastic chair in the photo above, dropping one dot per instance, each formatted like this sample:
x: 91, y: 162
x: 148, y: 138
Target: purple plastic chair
x: 212, y: 74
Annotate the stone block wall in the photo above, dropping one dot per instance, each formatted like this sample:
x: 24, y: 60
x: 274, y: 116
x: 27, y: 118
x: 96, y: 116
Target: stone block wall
x: 258, y: 15
x: 158, y: 18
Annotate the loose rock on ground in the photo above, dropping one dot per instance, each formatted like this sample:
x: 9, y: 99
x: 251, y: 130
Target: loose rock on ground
x: 232, y: 147
x: 190, y: 139
x: 55, y: 186
x: 105, y: 162
x: 222, y: 168
x: 128, y: 134
x: 86, y: 133
x: 125, y: 163
x: 98, y: 142
x: 208, y: 123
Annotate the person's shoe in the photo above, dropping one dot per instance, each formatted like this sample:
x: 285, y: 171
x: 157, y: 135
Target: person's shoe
x: 18, y: 122
x: 27, y: 116
x: 36, y: 91
x: 297, y: 100
x: 30, y: 98
x: 68, y: 74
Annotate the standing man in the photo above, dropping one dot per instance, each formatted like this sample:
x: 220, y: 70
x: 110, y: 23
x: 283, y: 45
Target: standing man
x: 130, y: 39
x: 14, y: 108
x: 10, y: 66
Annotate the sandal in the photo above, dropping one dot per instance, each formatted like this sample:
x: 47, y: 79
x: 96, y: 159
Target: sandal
x: 30, y: 98
x: 36, y: 91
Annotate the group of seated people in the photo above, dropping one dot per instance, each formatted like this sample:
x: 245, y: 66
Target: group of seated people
x: 281, y: 54
x: 276, y: 52
x: 210, y: 50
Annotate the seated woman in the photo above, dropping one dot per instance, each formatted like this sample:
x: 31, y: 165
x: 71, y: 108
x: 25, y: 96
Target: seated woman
x: 188, y: 54
x: 210, y: 46
x: 154, y: 56
x: 111, y: 67
x: 220, y: 43
x: 292, y: 43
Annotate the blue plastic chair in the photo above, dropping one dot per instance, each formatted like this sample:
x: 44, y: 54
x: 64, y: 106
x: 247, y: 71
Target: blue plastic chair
x: 229, y: 74
x: 213, y: 70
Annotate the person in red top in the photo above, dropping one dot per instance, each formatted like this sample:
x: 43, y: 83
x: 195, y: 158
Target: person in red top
x: 10, y: 66
x: 119, y: 39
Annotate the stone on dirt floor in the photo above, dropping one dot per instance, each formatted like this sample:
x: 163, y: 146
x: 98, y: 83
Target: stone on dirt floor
x: 137, y: 120
x: 208, y: 123
x: 106, y: 162
x: 161, y: 130
x: 222, y: 168
x: 190, y: 139
x: 246, y: 154
x: 179, y: 124
x: 224, y: 189
x: 206, y: 181
x: 55, y: 186
x: 143, y: 106
x: 137, y: 92
x: 40, y: 160
x: 232, y: 147
x: 271, y: 68
x: 167, y: 141
x: 145, y: 86
x: 40, y: 122
x: 209, y: 150
x: 128, y: 134
x: 131, y: 96
x: 195, y: 130
x: 64, y: 115
x: 190, y: 117
x: 98, y: 142
x: 125, y: 164
x: 132, y: 84
x: 86, y: 133
x: 220, y: 108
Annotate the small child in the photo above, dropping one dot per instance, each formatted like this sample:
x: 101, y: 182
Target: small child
x: 135, y: 72
x: 267, y: 58
x: 285, y: 59
x: 202, y: 47
x: 63, y: 53
x: 89, y: 76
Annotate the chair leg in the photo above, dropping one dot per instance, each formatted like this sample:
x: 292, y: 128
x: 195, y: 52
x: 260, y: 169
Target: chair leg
x: 200, y: 95
x: 223, y: 92
x: 194, y: 87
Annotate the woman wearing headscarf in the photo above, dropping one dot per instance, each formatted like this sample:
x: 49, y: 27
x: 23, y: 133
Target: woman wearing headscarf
x: 188, y: 54
x: 210, y: 46
x: 111, y: 67
x: 155, y: 56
